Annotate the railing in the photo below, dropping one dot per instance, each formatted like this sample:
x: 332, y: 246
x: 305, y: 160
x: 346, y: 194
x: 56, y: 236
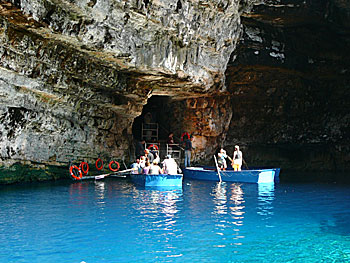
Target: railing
x: 174, y: 150
x: 150, y: 131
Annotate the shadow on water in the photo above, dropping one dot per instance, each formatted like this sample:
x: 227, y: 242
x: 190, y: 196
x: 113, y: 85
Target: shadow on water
x: 338, y: 224
x: 35, y: 185
x: 289, y: 176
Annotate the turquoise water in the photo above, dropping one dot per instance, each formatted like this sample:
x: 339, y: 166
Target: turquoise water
x: 114, y: 221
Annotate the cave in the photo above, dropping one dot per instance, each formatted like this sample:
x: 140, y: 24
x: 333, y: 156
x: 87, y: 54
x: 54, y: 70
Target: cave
x: 162, y: 114
x: 272, y: 78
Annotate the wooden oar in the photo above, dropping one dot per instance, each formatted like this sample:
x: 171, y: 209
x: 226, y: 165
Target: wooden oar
x: 105, y: 175
x: 127, y: 170
x: 97, y: 177
x: 217, y: 167
x: 245, y: 163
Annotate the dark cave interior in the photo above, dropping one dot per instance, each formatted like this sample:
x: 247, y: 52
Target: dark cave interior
x: 161, y: 113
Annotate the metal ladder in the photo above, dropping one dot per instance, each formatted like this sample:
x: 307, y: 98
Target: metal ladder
x: 150, y: 132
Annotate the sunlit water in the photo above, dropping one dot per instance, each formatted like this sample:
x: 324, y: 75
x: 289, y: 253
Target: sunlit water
x: 114, y: 221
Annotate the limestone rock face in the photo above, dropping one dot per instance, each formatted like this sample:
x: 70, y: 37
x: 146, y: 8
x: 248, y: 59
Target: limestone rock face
x: 74, y: 75
x: 207, y: 119
x: 271, y: 76
x: 191, y: 39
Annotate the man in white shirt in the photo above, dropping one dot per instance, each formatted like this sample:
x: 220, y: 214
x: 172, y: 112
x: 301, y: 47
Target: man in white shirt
x: 169, y: 165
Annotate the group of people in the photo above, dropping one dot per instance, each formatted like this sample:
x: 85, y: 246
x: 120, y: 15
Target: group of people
x: 146, y: 157
x: 236, y: 161
x: 186, y: 145
x: 148, y: 164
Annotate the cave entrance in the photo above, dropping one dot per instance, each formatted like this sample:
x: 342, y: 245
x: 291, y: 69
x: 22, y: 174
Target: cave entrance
x: 154, y: 123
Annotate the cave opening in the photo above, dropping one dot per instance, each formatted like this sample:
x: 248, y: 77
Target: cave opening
x: 155, y: 122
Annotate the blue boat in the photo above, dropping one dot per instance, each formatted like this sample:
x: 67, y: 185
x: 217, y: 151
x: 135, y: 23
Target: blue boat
x: 244, y: 176
x: 157, y: 179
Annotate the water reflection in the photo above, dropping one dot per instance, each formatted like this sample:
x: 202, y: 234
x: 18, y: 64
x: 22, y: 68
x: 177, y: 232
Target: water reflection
x: 79, y: 193
x: 235, y: 196
x: 265, y: 200
x: 158, y: 216
x: 229, y: 209
x: 207, y: 222
x: 220, y: 198
x: 158, y: 200
x: 100, y: 189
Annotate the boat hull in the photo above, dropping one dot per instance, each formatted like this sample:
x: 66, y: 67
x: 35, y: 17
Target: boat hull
x: 244, y: 176
x: 163, y: 180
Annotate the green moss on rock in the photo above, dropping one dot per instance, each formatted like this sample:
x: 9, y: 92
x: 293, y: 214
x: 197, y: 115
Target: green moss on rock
x: 25, y: 173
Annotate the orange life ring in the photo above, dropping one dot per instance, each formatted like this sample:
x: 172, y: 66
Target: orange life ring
x: 114, y: 169
x: 97, y: 161
x: 73, y: 175
x: 153, y: 145
x: 84, y: 166
x: 185, y: 133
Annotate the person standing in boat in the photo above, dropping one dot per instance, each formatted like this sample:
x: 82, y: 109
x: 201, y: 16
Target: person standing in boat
x: 170, y: 138
x: 170, y: 141
x: 155, y: 153
x: 140, y: 147
x: 149, y: 156
x: 237, y: 159
x: 188, y: 150
x: 222, y: 159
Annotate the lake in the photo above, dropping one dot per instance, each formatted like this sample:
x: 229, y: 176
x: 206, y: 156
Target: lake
x: 115, y: 221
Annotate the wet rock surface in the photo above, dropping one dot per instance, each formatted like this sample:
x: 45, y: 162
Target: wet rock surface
x: 271, y: 77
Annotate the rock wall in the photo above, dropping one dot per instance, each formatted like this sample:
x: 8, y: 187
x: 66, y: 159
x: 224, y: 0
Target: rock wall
x: 269, y: 76
x: 289, y: 79
x: 207, y: 119
x: 74, y: 75
x: 57, y: 102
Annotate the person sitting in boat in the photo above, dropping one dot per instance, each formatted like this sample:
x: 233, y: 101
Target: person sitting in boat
x: 155, y: 168
x: 237, y: 159
x: 222, y: 159
x: 142, y: 163
x: 145, y: 170
x: 135, y: 167
x: 156, y: 157
x: 169, y: 165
